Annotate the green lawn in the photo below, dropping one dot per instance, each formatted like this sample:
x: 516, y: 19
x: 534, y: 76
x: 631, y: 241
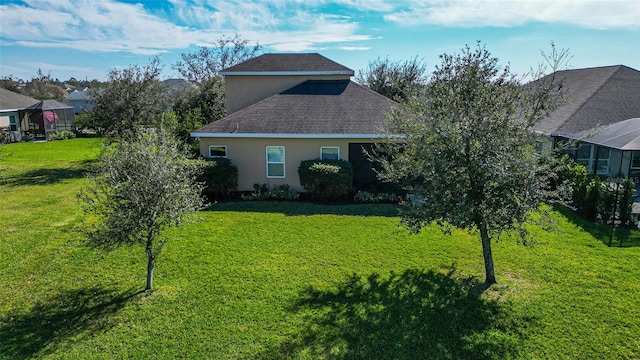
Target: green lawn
x: 280, y: 280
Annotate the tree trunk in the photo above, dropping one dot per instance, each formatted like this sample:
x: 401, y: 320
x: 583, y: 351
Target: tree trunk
x: 150, y: 264
x: 490, y: 275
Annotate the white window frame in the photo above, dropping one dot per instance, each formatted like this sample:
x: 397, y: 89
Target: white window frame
x: 607, y: 161
x: 329, y: 147
x: 284, y: 168
x: 226, y: 153
x: 590, y: 160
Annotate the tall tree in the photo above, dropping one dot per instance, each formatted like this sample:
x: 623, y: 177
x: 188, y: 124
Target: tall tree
x: 199, y: 105
x: 205, y: 64
x: 466, y: 151
x: 131, y: 97
x: 395, y: 80
x: 141, y: 187
x: 205, y: 101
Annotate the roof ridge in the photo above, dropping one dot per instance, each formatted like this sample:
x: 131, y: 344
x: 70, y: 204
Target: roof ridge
x: 593, y: 94
x: 374, y: 92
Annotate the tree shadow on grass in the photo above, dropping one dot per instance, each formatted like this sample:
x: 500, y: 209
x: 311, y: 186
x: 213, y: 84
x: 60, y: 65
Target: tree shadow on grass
x: 622, y: 236
x: 49, y: 176
x: 54, y: 321
x: 302, y: 208
x: 413, y: 315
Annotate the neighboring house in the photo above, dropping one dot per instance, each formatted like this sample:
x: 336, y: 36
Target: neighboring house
x: 601, y: 109
x: 80, y: 100
x: 12, y: 107
x: 285, y: 108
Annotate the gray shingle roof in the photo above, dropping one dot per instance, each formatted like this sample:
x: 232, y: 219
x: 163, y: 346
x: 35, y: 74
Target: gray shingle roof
x: 287, y: 63
x: 623, y: 135
x: 10, y: 100
x: 48, y: 105
x: 79, y: 95
x: 313, y: 107
x: 595, y: 97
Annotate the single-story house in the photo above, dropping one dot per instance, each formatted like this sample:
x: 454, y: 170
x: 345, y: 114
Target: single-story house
x: 80, y: 100
x: 286, y: 108
x: 12, y: 107
x: 601, y: 108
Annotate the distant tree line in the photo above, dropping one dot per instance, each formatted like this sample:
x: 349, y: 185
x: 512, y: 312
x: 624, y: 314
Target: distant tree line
x: 44, y: 87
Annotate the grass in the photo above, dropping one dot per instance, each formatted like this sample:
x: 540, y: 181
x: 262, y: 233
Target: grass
x: 280, y: 280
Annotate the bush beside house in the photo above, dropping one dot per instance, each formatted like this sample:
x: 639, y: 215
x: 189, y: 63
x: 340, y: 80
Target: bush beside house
x: 326, y: 179
x: 596, y: 199
x: 220, y: 176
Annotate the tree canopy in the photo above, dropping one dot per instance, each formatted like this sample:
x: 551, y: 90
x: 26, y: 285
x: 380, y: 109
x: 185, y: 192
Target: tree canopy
x: 394, y: 79
x: 207, y: 62
x: 464, y: 148
x: 131, y: 97
x: 205, y: 102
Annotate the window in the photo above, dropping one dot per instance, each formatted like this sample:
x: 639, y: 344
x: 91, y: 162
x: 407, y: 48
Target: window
x: 217, y: 151
x: 275, y: 161
x: 13, y: 126
x: 583, y: 155
x: 329, y: 153
x: 602, y: 162
x: 635, y: 160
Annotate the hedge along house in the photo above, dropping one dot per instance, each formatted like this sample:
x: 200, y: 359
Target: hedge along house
x: 600, y: 115
x: 285, y: 108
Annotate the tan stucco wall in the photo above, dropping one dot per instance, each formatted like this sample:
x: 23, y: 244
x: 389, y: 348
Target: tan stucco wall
x: 249, y: 155
x: 242, y: 91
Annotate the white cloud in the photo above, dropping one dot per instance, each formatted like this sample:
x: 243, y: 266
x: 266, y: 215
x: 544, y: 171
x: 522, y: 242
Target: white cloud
x: 597, y: 14
x: 354, y: 48
x: 112, y: 26
x: 368, y: 5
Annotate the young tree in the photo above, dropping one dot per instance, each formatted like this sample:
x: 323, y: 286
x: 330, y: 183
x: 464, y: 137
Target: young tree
x: 129, y: 96
x: 142, y: 186
x: 395, y: 80
x: 465, y: 149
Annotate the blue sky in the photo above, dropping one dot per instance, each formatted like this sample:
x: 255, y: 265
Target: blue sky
x: 86, y: 38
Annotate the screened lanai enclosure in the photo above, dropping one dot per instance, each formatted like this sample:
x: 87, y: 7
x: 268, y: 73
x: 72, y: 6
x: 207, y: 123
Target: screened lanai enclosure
x: 609, y: 151
x: 46, y: 117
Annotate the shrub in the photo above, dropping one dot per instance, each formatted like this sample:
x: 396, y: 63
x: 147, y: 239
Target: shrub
x: 220, y: 176
x: 626, y: 201
x: 85, y: 121
x: 262, y: 192
x: 607, y: 202
x: 326, y: 179
x: 589, y: 203
x: 594, y: 198
x: 367, y: 197
x: 62, y: 135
